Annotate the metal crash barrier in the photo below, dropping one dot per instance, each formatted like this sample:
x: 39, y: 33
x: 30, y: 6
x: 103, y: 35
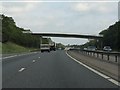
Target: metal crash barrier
x: 103, y: 54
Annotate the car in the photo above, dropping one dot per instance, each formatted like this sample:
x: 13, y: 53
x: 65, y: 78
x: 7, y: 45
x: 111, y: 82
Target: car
x: 85, y: 49
x: 91, y: 48
x: 107, y: 48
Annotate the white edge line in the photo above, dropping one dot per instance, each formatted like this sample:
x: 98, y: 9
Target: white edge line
x: 95, y: 71
x: 33, y: 61
x: 17, y: 55
x: 21, y: 69
x: 9, y: 57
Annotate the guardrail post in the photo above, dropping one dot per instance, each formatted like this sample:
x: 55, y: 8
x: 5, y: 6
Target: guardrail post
x: 93, y: 54
x: 102, y: 56
x: 108, y: 57
x: 115, y: 58
x: 97, y: 55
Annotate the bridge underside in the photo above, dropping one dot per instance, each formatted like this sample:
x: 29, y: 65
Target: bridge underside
x: 68, y: 35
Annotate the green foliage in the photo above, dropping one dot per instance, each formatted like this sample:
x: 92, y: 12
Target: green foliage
x: 12, y: 33
x: 14, y: 48
x: 0, y: 48
x: 46, y: 40
x: 59, y: 45
x: 90, y: 43
x: 111, y: 37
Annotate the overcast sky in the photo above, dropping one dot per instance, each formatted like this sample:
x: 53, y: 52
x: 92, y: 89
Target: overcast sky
x: 63, y: 17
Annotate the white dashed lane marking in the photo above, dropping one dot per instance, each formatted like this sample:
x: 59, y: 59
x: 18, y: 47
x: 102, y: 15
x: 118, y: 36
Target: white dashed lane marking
x: 33, y: 61
x: 22, y: 69
x: 38, y: 57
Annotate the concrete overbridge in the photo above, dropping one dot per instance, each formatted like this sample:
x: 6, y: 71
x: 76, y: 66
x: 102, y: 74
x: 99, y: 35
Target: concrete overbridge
x: 68, y: 35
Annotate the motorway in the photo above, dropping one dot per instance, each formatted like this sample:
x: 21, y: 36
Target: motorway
x: 49, y: 70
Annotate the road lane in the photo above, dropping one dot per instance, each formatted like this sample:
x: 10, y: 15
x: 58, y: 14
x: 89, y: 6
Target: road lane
x: 51, y: 70
x: 12, y: 65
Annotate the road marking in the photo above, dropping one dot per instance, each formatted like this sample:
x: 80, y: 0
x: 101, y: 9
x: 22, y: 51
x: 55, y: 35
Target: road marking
x: 33, y: 61
x: 95, y: 71
x: 115, y: 82
x: 9, y: 57
x: 21, y: 69
x: 18, y: 55
x: 38, y: 57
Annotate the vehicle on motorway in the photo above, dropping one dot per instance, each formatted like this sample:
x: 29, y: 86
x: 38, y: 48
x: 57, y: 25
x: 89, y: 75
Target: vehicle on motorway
x: 45, y: 47
x: 85, y: 49
x: 59, y: 48
x: 107, y: 48
x: 91, y: 48
x: 53, y: 46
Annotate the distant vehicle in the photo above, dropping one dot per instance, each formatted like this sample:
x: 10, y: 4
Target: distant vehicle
x: 107, y: 48
x: 45, y: 47
x: 74, y: 48
x: 53, y: 47
x: 91, y: 48
x: 85, y: 48
x: 59, y: 48
x: 71, y: 48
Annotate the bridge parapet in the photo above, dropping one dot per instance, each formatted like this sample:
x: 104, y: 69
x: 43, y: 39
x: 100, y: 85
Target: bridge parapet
x: 68, y: 35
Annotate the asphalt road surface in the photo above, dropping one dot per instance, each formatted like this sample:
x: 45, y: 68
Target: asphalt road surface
x: 49, y: 70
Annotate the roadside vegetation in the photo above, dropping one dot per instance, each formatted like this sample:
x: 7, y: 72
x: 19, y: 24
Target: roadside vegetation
x: 0, y: 48
x: 15, y: 41
x: 9, y: 47
x: 111, y: 37
x: 13, y: 38
x: 14, y: 34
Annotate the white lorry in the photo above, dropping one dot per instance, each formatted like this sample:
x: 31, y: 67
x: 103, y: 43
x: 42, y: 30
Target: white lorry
x: 45, y: 47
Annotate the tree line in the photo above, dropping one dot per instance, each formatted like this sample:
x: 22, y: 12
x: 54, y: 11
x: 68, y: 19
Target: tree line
x: 111, y: 37
x: 13, y: 33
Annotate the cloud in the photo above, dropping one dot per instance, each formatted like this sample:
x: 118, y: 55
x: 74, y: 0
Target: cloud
x: 13, y: 8
x: 81, y: 18
x: 81, y: 7
x: 101, y: 7
x: 0, y: 7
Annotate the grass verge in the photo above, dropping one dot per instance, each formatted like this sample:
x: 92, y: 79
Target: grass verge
x: 0, y: 47
x: 9, y: 47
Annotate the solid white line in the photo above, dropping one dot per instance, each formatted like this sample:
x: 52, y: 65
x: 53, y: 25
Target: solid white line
x: 21, y: 69
x: 18, y: 55
x: 9, y: 57
x: 95, y: 71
